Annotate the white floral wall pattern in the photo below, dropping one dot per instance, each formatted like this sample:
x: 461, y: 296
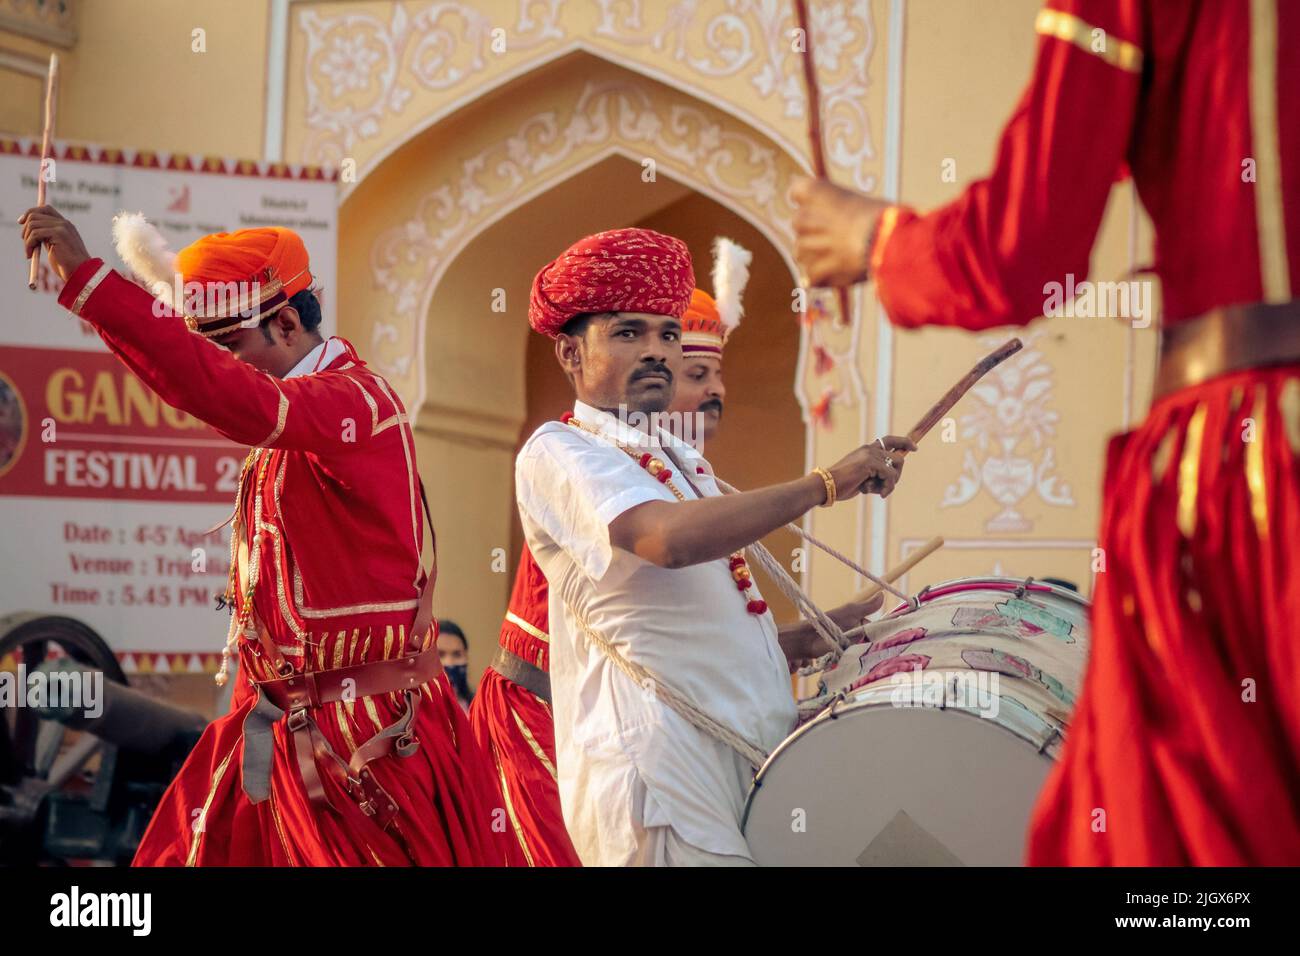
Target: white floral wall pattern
x: 755, y: 38
x: 370, y: 76
x: 692, y: 143
x: 1009, y: 441
x: 362, y: 69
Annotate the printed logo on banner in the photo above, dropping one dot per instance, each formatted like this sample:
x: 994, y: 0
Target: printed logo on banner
x: 13, y: 424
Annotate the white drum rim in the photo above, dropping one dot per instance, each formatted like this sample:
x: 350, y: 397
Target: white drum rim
x: 841, y: 706
x: 1023, y: 584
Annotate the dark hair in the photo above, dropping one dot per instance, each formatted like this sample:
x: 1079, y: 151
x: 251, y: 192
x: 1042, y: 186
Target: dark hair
x: 308, y: 309
x: 451, y: 627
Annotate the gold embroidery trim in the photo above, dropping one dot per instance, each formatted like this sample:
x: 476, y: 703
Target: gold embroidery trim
x: 207, y: 804
x: 520, y: 623
x: 281, y: 415
x: 510, y: 809
x: 1066, y: 26
x: 1274, y: 274
x: 280, y: 563
x: 380, y: 607
x: 388, y: 423
x: 86, y: 290
x: 374, y: 407
x: 1164, y: 451
x: 279, y: 828
x: 1255, y: 465
x: 1189, y: 472
x: 536, y: 748
x: 411, y: 484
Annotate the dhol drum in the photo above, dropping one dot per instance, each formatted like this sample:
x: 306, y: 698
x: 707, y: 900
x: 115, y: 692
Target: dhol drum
x: 935, y: 737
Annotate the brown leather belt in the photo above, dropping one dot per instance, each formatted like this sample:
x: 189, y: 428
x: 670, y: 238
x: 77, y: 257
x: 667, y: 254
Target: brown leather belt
x: 1227, y: 339
x: 528, y: 676
x: 297, y: 694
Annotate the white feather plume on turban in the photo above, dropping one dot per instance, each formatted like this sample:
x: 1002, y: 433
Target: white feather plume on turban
x: 730, y: 275
x: 144, y: 250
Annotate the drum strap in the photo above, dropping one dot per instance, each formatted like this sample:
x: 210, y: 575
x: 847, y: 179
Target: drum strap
x: 675, y: 699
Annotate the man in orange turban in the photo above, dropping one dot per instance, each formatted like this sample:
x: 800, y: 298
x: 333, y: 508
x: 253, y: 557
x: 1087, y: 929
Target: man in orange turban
x: 344, y: 744
x: 706, y: 325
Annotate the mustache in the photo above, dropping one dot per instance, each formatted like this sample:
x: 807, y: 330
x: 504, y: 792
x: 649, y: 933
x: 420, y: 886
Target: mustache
x: 714, y: 403
x: 658, y: 369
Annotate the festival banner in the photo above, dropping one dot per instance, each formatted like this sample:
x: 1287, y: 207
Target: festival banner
x: 107, y: 494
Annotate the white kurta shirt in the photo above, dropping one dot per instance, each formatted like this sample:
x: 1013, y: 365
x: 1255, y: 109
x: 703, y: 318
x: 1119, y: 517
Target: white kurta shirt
x: 626, y: 761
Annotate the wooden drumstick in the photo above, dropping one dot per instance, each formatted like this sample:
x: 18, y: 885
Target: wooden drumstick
x: 815, y: 144
x: 944, y: 405
x: 892, y: 575
x: 896, y: 572
x: 51, y: 98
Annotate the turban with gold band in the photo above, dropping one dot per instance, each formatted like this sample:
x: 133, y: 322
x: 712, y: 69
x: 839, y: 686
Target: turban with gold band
x: 621, y: 270
x: 708, y: 322
x: 222, y: 281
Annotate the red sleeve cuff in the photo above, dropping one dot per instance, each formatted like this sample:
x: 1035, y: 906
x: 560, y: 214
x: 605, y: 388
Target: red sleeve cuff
x: 77, y: 281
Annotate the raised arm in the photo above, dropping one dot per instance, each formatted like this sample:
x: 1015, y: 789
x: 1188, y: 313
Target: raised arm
x: 983, y: 260
x: 193, y: 374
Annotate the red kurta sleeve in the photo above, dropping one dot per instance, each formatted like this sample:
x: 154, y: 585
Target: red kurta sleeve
x: 195, y: 375
x: 983, y: 260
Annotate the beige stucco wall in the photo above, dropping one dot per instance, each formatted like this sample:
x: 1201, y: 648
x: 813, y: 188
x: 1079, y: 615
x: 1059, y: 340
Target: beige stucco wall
x: 461, y: 152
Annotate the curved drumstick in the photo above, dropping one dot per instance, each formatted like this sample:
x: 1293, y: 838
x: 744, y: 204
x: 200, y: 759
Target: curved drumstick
x: 944, y: 405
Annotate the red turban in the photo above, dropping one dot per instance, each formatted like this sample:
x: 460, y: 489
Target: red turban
x: 622, y: 270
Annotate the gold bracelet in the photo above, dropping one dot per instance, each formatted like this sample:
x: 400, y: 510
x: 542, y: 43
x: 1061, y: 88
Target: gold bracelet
x: 830, y: 486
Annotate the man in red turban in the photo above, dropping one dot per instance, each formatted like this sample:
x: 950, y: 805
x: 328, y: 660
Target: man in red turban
x: 1184, y: 748
x: 511, y: 715
x: 644, y: 558
x: 344, y: 744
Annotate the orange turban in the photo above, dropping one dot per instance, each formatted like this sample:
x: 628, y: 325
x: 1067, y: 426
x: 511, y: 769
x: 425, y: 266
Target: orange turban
x: 622, y: 270
x: 269, y: 265
x: 702, y: 329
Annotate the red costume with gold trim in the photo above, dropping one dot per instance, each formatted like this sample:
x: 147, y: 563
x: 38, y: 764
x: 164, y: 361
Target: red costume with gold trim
x: 334, y: 571
x: 514, y: 725
x: 1185, y: 745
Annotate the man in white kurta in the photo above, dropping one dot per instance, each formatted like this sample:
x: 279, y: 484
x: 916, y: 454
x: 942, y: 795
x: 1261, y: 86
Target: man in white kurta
x: 650, y: 561
x: 630, y: 768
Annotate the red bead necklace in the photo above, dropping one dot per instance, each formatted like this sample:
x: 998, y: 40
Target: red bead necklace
x: 656, y: 469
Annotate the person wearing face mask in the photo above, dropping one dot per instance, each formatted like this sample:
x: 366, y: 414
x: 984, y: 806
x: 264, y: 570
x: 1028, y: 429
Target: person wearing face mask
x: 453, y: 650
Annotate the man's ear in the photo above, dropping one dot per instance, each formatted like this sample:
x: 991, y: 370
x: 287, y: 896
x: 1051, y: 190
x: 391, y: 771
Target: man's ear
x: 289, y: 322
x: 568, y: 353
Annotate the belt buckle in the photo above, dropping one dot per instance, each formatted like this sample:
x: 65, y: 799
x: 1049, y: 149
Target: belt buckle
x: 297, y: 719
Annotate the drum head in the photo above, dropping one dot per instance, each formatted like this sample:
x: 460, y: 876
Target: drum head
x: 883, y: 786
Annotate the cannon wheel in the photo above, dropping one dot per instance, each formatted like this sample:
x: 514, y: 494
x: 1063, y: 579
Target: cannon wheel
x: 27, y: 743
